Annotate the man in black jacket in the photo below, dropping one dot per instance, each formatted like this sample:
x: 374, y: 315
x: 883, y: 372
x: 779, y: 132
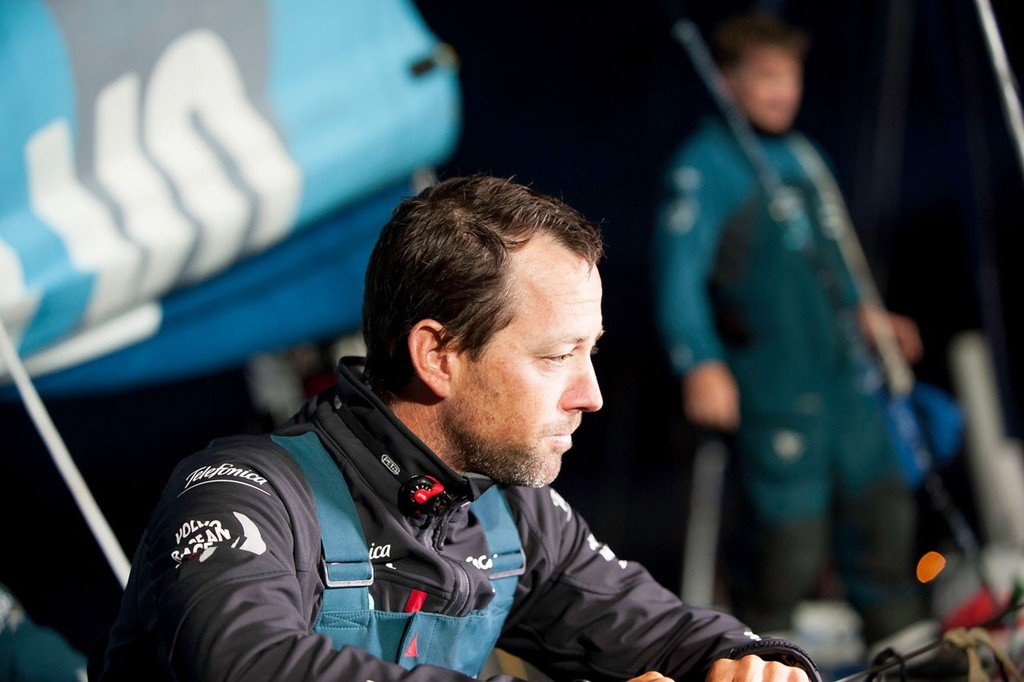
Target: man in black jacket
x: 403, y: 524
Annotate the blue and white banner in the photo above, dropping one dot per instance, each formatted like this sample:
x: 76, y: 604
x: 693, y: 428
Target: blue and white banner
x: 186, y: 183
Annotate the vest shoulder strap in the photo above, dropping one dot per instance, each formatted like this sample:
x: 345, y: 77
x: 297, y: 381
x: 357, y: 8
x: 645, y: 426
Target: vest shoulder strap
x: 494, y: 514
x: 346, y: 561
x: 346, y: 557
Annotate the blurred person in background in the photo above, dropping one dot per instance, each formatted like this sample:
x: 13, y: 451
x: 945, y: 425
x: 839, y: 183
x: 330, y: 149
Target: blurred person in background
x: 31, y: 652
x: 762, y: 322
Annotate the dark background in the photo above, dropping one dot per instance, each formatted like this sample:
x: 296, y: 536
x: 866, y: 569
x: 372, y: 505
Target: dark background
x: 585, y: 101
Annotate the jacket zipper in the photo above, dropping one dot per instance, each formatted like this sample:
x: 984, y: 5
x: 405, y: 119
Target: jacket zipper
x: 460, y: 595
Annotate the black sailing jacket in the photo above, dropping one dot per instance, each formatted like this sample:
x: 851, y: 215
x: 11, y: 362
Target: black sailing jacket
x: 226, y: 582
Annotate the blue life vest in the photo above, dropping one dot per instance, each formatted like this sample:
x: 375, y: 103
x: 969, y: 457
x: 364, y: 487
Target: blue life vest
x: 460, y: 643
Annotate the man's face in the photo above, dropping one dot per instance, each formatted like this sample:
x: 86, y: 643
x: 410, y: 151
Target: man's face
x: 767, y: 84
x: 510, y: 414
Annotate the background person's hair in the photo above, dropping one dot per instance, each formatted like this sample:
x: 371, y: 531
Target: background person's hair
x: 752, y: 29
x: 443, y: 256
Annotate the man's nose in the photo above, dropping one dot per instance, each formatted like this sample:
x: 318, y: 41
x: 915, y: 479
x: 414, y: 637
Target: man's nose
x: 585, y: 395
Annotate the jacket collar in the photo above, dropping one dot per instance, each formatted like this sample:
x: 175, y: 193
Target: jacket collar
x: 392, y: 454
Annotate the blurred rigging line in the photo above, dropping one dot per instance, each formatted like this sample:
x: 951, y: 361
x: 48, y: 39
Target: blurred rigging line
x: 1007, y: 81
x: 884, y: 142
x: 972, y: 168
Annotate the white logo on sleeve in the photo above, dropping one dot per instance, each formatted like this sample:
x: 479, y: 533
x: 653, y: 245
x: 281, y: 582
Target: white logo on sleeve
x: 202, y: 538
x: 224, y: 473
x: 604, y: 551
x: 560, y: 502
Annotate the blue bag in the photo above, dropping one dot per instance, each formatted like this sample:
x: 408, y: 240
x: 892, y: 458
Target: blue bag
x: 927, y: 430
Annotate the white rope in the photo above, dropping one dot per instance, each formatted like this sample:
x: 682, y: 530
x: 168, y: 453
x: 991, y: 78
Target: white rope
x: 62, y: 458
x: 899, y: 376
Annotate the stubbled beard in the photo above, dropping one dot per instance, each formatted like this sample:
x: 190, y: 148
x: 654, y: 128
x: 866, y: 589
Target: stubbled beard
x: 502, y: 462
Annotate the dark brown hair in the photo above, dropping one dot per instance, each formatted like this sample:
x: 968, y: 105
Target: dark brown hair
x: 443, y: 256
x: 755, y: 28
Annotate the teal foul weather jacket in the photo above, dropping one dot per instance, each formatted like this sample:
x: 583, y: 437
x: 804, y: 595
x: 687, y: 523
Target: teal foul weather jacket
x: 762, y: 286
x: 772, y: 298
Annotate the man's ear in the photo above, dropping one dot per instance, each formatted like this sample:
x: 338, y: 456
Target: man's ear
x: 430, y: 351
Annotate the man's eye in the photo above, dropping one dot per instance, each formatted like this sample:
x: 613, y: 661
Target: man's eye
x: 565, y: 357
x: 560, y: 358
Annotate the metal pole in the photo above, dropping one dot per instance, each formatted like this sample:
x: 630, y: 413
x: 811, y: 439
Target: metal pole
x: 62, y: 458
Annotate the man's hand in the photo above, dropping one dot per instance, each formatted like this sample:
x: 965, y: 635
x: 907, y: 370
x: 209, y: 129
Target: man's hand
x: 753, y: 669
x: 649, y: 676
x: 710, y: 396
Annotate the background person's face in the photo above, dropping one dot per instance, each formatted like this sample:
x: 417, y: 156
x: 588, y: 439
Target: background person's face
x: 767, y: 84
x: 511, y: 414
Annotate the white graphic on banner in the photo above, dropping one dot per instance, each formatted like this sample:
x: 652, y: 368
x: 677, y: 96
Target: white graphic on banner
x: 192, y: 177
x: 81, y: 220
x: 149, y: 215
x: 17, y: 304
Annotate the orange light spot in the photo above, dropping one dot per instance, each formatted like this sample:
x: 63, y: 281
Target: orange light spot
x: 929, y: 566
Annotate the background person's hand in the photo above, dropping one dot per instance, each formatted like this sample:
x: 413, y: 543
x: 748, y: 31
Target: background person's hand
x: 908, y: 336
x: 711, y: 398
x: 754, y: 669
x: 875, y: 321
